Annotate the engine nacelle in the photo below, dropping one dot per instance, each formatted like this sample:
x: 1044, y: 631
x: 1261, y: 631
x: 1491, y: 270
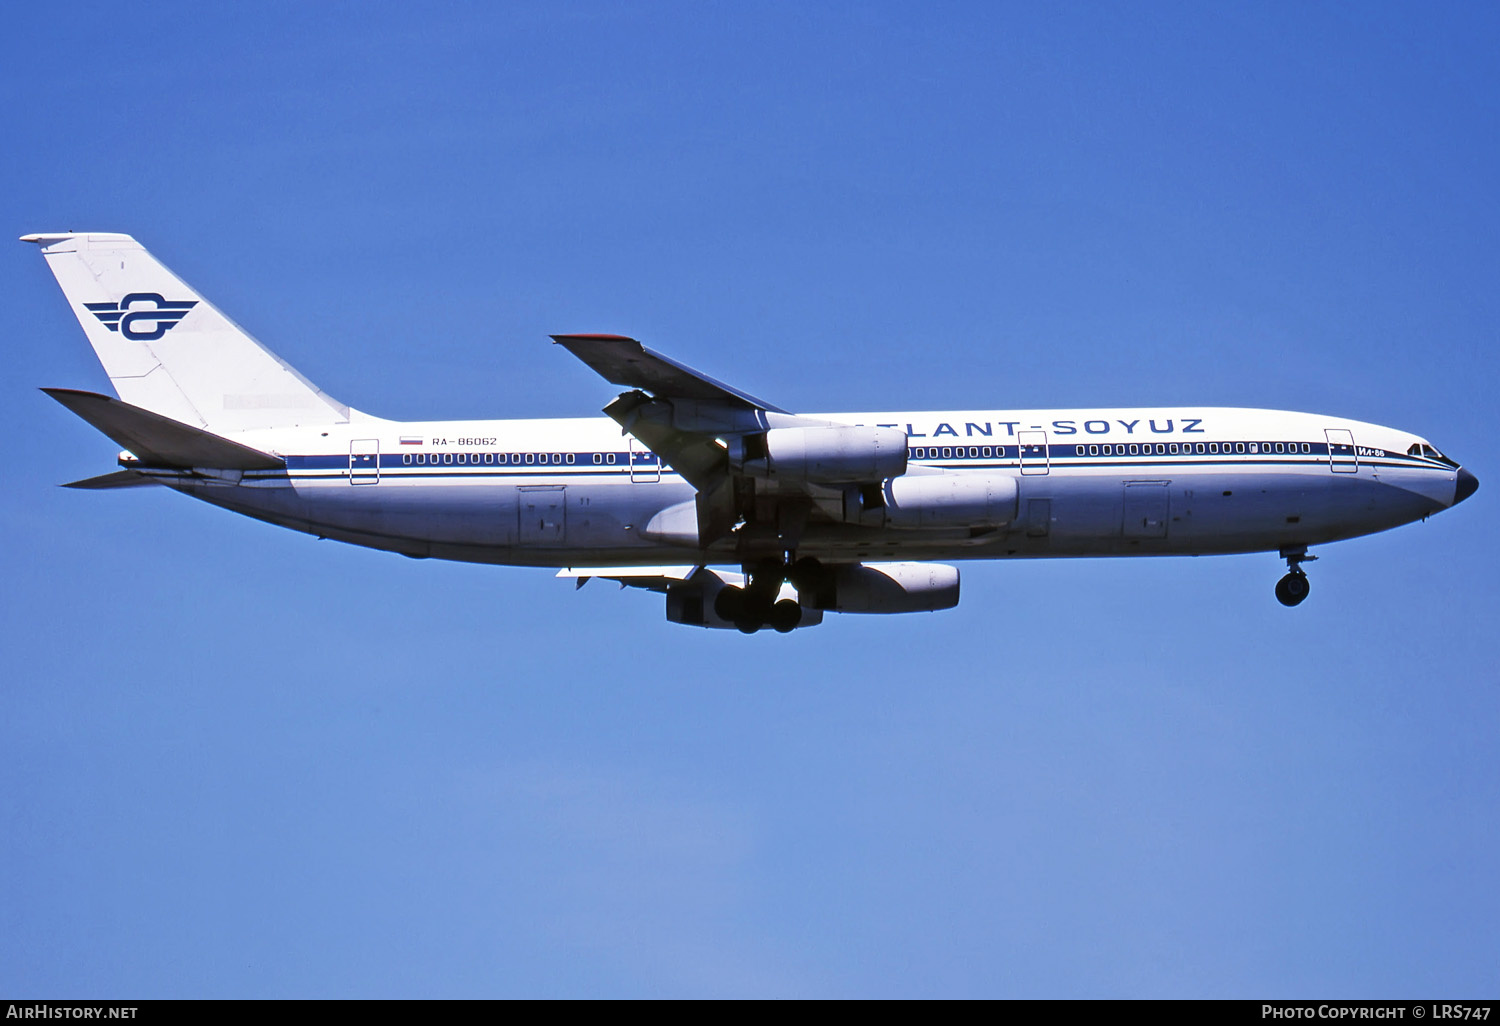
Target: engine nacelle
x: 965, y: 498
x: 885, y: 588
x: 692, y: 601
x: 824, y: 454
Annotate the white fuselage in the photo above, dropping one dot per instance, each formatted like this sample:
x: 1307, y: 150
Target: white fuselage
x: 818, y: 512
x: 575, y: 492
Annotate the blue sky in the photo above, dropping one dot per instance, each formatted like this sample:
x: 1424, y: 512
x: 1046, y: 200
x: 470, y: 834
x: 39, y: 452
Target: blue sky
x: 242, y: 762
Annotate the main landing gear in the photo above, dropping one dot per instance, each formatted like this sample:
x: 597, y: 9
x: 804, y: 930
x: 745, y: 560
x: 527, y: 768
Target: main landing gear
x: 1293, y: 588
x: 755, y: 606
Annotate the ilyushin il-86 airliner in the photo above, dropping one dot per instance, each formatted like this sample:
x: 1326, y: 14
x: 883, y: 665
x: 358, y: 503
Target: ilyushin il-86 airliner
x: 688, y: 477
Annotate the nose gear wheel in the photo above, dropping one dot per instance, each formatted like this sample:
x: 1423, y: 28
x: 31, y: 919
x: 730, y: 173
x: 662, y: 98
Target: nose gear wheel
x: 1294, y: 587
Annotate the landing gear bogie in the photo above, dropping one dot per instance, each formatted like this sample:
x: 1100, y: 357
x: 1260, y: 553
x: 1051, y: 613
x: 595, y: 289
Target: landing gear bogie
x: 755, y: 607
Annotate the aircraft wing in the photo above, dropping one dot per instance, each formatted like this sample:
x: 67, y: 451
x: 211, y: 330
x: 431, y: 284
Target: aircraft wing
x: 675, y: 411
x: 624, y: 361
x: 688, y: 419
x: 652, y: 578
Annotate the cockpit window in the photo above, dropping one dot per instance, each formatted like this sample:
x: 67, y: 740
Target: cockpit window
x: 1431, y: 453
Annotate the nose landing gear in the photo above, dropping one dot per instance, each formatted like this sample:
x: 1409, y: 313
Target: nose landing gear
x: 1293, y: 588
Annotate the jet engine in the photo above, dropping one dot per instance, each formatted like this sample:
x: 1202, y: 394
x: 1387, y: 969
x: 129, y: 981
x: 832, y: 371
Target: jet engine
x: 883, y: 588
x: 965, y: 498
x: 830, y: 455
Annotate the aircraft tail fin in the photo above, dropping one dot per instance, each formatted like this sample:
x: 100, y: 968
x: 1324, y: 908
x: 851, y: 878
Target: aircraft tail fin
x: 161, y: 441
x: 168, y: 350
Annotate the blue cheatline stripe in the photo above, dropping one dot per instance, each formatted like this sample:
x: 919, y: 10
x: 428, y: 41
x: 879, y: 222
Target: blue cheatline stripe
x: 509, y: 460
x: 494, y: 475
x: 1058, y: 450
x: 1083, y: 454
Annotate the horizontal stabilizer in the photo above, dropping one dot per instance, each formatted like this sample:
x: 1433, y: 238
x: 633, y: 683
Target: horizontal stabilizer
x: 624, y: 361
x: 161, y: 441
x: 119, y: 479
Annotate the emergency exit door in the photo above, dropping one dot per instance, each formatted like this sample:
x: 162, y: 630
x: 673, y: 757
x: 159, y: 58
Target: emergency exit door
x: 364, y: 461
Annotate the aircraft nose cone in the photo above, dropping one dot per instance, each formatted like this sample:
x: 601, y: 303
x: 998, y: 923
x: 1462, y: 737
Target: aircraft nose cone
x: 1468, y: 484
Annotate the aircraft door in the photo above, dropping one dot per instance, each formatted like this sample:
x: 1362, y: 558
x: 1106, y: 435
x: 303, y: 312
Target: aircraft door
x: 364, y: 461
x: 1342, y: 457
x: 543, y: 512
x: 1146, y: 507
x: 1033, y: 451
x: 645, y: 465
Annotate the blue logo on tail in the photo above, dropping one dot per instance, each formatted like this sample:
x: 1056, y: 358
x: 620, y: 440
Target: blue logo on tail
x: 139, y: 322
